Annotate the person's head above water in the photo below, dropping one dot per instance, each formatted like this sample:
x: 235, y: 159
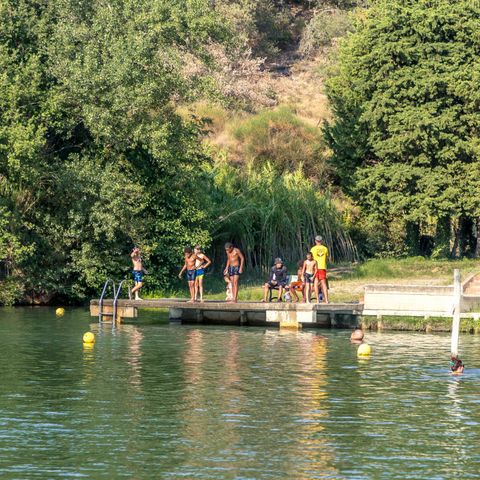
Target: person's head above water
x: 456, y: 364
x: 357, y: 335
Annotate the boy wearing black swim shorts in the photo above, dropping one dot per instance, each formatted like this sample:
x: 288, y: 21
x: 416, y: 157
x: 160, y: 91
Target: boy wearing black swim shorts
x: 308, y: 273
x: 189, y: 266
x: 234, y: 267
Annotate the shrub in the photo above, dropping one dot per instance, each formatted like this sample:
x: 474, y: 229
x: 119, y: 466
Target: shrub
x: 282, y: 139
x: 323, y: 29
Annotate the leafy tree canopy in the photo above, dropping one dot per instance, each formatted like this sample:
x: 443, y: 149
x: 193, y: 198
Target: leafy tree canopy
x: 406, y: 116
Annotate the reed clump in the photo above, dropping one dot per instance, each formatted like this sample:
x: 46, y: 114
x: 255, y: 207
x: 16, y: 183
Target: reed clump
x: 269, y: 215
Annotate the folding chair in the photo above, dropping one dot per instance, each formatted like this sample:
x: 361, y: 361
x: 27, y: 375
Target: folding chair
x: 276, y: 289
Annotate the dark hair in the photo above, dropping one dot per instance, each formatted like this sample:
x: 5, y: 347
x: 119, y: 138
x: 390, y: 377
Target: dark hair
x: 187, y: 250
x: 455, y: 363
x: 228, y: 245
x: 309, y: 253
x: 300, y: 263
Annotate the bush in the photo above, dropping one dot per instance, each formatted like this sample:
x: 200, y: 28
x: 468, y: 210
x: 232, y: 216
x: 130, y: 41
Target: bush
x: 323, y: 29
x: 282, y: 139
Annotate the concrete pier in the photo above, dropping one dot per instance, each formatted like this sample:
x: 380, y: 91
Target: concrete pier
x: 340, y: 315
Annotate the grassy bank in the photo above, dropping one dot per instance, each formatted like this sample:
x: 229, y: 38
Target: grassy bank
x: 419, y: 324
x: 346, y: 281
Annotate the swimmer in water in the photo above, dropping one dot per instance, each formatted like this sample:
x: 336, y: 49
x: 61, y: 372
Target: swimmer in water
x: 456, y: 365
x: 357, y: 335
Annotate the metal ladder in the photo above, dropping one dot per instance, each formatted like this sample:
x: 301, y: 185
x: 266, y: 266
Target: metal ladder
x: 116, y: 294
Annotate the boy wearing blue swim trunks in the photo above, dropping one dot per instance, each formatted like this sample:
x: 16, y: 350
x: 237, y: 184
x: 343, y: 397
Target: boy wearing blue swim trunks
x: 189, y: 266
x: 201, y: 263
x: 234, y: 267
x: 137, y: 272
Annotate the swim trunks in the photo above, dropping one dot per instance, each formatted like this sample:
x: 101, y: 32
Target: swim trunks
x: 298, y: 285
x: 137, y: 276
x: 275, y: 284
x: 232, y: 271
x: 200, y: 272
x: 308, y: 277
x: 191, y: 274
x: 321, y: 274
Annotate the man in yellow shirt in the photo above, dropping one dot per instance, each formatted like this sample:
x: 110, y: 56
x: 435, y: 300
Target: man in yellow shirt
x: 320, y: 255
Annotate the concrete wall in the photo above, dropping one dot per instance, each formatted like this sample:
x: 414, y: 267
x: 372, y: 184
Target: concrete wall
x: 396, y: 298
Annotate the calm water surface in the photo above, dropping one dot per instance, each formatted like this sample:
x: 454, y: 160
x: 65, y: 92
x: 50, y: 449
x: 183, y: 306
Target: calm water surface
x: 153, y: 400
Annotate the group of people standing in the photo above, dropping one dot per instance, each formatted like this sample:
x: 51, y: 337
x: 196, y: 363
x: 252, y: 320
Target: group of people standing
x: 196, y: 262
x: 312, y: 273
x: 311, y: 276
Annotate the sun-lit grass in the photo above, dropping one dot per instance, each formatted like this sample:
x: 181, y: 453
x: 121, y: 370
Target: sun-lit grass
x: 347, y: 282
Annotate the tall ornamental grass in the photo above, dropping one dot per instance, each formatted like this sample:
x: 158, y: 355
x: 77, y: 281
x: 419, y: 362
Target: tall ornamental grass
x: 269, y: 215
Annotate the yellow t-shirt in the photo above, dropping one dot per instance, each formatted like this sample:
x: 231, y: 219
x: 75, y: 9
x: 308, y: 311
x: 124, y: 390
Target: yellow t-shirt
x: 320, y: 254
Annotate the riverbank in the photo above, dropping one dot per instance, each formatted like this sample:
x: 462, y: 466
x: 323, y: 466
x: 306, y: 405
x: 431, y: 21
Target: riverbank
x: 418, y: 324
x: 346, y: 282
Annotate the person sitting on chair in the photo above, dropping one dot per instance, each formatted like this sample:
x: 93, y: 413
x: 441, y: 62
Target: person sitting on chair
x: 298, y: 284
x: 278, y: 279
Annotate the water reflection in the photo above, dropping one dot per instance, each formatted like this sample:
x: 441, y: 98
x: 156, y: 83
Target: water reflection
x: 158, y: 401
x: 313, y: 444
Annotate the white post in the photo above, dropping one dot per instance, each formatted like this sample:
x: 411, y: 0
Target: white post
x: 457, y: 298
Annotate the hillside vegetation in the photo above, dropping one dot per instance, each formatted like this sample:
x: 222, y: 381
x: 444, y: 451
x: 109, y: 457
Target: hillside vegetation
x: 167, y: 123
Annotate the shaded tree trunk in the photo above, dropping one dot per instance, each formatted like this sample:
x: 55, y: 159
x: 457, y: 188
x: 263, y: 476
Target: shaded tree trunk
x: 442, y: 237
x: 456, y: 240
x: 477, y: 234
x: 413, y: 238
x: 467, y: 240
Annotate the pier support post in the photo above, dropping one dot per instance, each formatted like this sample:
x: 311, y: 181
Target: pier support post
x: 457, y: 300
x: 175, y: 314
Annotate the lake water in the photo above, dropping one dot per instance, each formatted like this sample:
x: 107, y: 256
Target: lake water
x: 152, y: 400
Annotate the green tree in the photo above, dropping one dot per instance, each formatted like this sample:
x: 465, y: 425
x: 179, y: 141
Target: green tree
x: 93, y: 156
x: 406, y: 119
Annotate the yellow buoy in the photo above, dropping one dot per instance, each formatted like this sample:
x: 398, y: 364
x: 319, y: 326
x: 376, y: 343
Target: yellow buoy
x: 364, y: 350
x: 60, y: 312
x: 88, y: 337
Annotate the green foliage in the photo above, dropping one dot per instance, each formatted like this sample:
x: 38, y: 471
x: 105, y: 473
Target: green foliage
x: 270, y: 215
x: 93, y: 157
x: 322, y: 30
x: 264, y: 25
x: 281, y: 138
x: 406, y: 110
